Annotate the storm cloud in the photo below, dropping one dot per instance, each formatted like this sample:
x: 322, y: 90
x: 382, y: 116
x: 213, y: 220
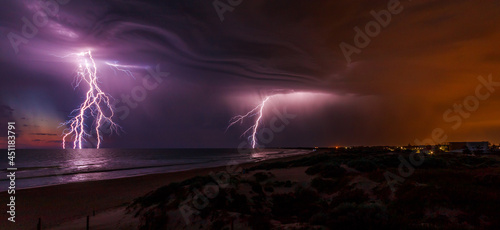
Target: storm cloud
x: 393, y: 90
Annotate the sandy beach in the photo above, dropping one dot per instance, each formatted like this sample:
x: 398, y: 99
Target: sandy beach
x: 324, y: 189
x: 67, y: 203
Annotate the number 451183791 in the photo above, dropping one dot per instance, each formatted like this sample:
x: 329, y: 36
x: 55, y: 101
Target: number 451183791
x: 11, y: 141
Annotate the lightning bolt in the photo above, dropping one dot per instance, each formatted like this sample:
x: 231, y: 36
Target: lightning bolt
x: 257, y: 111
x: 96, y: 105
x: 122, y: 68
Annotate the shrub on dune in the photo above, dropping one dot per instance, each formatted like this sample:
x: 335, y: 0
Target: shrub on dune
x: 363, y: 165
x: 328, y: 170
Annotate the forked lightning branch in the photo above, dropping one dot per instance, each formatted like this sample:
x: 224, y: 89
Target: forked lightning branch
x: 97, y: 105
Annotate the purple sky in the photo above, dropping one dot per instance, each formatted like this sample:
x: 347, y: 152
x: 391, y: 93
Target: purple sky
x: 396, y: 89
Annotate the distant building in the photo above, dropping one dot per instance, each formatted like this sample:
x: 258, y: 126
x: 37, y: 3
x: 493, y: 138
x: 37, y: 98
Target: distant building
x: 472, y: 146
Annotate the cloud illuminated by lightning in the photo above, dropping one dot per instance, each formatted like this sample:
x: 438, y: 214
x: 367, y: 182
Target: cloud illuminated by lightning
x: 96, y: 105
x: 257, y: 111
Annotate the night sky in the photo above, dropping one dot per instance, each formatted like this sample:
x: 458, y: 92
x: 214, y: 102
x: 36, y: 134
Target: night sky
x: 425, y: 61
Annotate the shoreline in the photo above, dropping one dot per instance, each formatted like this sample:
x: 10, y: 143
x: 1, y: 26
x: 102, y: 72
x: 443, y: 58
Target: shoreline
x: 19, y: 179
x: 56, y: 204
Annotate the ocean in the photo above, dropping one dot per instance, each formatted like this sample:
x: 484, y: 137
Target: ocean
x: 37, y: 168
